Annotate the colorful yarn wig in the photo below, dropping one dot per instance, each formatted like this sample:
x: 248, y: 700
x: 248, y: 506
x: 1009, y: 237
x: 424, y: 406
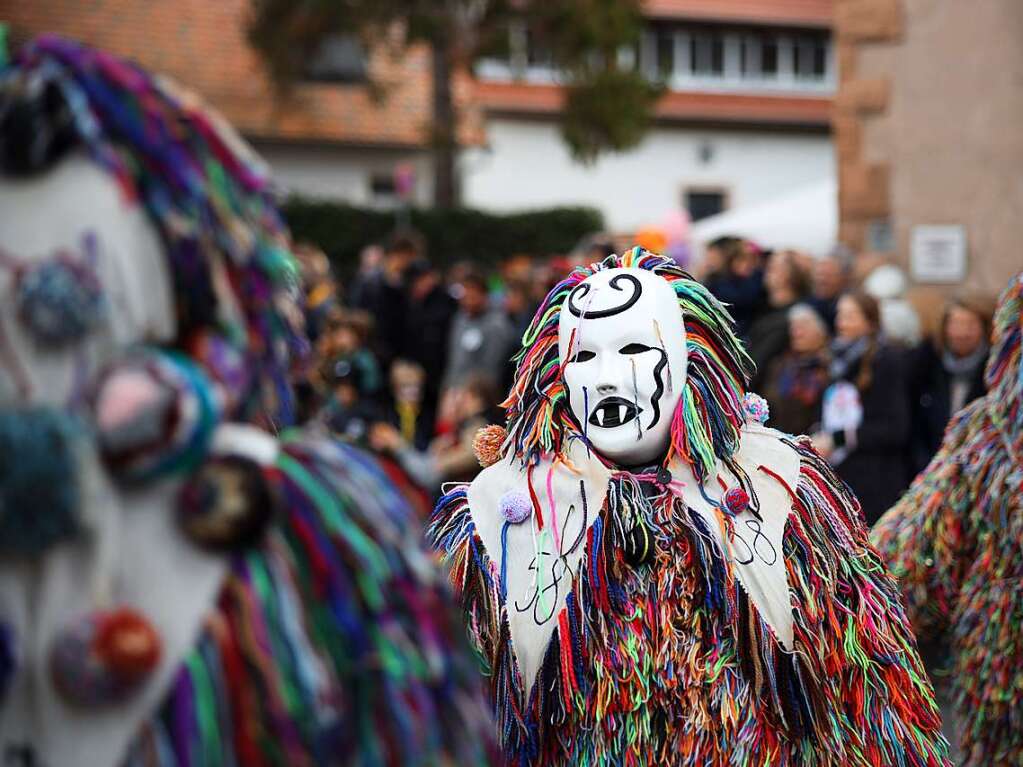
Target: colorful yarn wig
x: 955, y: 542
x: 204, y: 191
x: 707, y: 422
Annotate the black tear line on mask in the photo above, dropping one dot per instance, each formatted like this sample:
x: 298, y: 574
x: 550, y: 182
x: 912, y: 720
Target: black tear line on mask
x: 655, y: 400
x: 582, y: 290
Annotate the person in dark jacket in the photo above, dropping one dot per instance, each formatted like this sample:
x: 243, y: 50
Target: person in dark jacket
x: 948, y: 373
x: 385, y: 297
x: 865, y: 416
x: 431, y: 309
x: 795, y: 381
x: 786, y: 282
x: 830, y: 278
x: 736, y: 278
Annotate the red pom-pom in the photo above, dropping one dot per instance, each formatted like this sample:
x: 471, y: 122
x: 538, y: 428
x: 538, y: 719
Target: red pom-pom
x: 736, y: 501
x: 127, y: 643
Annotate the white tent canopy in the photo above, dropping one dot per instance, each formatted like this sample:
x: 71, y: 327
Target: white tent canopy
x: 805, y: 219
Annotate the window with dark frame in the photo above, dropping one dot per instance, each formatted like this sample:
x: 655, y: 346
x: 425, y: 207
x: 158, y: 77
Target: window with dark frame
x: 339, y: 59
x: 383, y: 190
x: 705, y: 202
x: 707, y: 52
x: 811, y: 56
x: 769, y: 56
x: 665, y: 41
x: 736, y: 56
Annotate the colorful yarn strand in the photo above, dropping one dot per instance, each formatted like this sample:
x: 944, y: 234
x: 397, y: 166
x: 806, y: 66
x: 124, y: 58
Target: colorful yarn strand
x: 330, y: 643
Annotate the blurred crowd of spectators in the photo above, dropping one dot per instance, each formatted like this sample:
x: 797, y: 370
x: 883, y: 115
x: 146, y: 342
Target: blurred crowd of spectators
x: 410, y: 361
x: 840, y: 356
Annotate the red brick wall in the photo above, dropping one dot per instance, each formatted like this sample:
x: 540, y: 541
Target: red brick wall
x: 202, y: 44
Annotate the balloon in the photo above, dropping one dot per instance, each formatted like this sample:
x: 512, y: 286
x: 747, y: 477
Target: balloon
x: 675, y: 226
x: 652, y: 239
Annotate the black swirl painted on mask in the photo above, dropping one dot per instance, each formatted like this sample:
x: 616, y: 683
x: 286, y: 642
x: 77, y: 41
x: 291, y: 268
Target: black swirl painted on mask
x: 580, y: 292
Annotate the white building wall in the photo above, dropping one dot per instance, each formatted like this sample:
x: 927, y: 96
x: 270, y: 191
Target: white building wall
x: 340, y: 173
x: 527, y: 165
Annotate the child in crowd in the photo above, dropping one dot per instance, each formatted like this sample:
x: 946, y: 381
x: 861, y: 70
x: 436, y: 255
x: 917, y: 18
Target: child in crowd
x: 346, y: 338
x: 408, y: 413
x: 349, y: 410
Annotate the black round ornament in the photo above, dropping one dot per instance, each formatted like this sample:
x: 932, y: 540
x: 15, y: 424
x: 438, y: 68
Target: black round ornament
x: 639, y: 546
x: 227, y: 503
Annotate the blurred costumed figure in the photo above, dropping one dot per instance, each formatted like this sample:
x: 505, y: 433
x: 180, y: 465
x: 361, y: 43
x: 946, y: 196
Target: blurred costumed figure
x: 178, y: 586
x: 652, y: 576
x: 955, y: 542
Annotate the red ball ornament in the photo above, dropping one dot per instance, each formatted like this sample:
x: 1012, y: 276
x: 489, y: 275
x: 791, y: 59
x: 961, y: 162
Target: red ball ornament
x: 127, y: 644
x: 736, y: 501
x: 103, y: 657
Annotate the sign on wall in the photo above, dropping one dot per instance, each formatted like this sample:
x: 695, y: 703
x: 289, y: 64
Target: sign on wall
x: 938, y: 254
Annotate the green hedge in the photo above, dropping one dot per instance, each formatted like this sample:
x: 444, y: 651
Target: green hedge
x: 451, y: 235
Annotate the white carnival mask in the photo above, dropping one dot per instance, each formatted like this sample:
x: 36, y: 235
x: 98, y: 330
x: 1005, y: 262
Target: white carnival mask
x: 622, y: 336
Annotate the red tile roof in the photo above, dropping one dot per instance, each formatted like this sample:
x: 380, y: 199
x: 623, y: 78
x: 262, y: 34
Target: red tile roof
x: 202, y: 44
x: 808, y: 13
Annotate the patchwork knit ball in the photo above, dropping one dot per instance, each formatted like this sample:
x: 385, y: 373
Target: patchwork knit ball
x: 226, y: 504
x: 736, y: 501
x: 516, y: 506
x: 104, y: 657
x: 154, y: 413
x: 39, y: 488
x: 756, y: 407
x: 59, y: 300
x: 487, y: 444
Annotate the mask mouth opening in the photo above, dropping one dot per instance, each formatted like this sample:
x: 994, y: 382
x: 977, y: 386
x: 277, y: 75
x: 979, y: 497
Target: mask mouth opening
x: 613, y: 412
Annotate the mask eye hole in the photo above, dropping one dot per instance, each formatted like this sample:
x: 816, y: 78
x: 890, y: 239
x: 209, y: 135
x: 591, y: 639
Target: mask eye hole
x: 634, y: 349
x: 583, y: 356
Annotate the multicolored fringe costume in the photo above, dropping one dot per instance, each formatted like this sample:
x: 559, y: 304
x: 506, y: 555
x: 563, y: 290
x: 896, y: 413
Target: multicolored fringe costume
x: 334, y: 639
x: 332, y: 643
x: 955, y: 542
x: 663, y: 657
